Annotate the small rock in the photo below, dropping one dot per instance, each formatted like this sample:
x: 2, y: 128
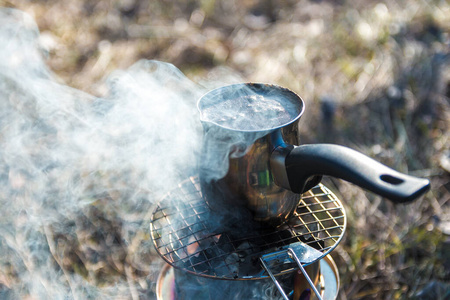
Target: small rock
x: 444, y: 161
x: 433, y: 291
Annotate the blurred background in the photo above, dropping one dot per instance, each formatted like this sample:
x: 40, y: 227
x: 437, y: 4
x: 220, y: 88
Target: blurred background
x: 374, y: 75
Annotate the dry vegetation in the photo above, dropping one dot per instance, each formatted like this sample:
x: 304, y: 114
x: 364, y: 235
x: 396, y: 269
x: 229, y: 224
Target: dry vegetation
x: 374, y: 76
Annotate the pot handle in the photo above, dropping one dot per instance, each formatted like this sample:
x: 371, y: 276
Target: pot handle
x: 307, y: 161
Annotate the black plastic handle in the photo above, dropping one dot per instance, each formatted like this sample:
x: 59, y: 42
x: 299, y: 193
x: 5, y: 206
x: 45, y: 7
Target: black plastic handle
x: 306, y: 161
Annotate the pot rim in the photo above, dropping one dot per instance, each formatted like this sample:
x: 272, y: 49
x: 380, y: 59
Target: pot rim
x: 216, y: 91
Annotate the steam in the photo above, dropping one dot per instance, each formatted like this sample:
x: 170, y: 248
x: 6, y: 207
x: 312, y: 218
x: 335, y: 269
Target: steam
x: 219, y: 145
x: 64, y: 152
x: 70, y: 162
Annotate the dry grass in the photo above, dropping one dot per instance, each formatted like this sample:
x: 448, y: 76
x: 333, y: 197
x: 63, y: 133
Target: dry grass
x: 374, y: 76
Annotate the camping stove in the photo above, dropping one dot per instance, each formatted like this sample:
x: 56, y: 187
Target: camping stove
x: 209, y: 257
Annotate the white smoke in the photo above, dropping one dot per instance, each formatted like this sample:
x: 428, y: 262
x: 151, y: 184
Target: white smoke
x: 69, y: 159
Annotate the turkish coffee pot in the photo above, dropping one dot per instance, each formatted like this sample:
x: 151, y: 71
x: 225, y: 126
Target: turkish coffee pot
x: 252, y: 167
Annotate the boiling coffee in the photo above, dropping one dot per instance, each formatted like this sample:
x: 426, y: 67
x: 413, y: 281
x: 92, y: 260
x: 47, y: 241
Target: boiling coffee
x: 251, y: 112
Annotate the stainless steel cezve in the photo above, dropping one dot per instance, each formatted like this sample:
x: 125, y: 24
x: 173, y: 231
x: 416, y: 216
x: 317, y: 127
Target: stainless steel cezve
x: 266, y: 171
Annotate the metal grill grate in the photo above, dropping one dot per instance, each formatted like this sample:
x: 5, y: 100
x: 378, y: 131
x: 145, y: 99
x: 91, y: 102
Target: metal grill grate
x: 190, y: 237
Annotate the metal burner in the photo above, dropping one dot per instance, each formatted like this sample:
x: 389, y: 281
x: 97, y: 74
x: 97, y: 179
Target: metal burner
x: 328, y: 281
x: 192, y: 238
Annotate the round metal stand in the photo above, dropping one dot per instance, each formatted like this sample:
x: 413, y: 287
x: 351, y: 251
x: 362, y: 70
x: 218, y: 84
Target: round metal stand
x: 194, y: 240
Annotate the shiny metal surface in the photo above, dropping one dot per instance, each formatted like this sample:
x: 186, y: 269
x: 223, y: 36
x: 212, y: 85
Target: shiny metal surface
x: 277, y: 166
x: 256, y: 180
x: 327, y: 282
x: 298, y: 252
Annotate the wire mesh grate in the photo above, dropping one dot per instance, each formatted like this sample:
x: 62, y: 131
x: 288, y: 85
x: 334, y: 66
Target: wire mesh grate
x: 189, y: 236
